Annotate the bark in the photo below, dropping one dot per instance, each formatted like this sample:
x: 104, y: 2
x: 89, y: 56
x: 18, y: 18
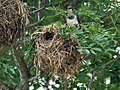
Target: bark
x: 22, y: 67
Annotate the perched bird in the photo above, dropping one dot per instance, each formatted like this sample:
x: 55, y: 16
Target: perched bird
x: 72, y: 19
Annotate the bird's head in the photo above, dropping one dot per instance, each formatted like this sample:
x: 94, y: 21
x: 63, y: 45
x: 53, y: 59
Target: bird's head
x: 69, y: 10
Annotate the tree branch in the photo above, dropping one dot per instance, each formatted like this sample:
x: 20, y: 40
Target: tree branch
x: 33, y: 24
x: 34, y: 77
x: 98, y: 69
x: 37, y: 10
x: 117, y: 39
x: 22, y: 67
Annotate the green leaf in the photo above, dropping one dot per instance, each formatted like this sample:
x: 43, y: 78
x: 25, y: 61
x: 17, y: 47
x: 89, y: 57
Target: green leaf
x: 92, y: 44
x: 91, y: 26
x: 79, y: 32
x: 111, y: 50
x: 36, y: 86
x: 11, y: 70
x: 86, y: 51
x: 97, y: 49
x: 109, y: 55
x: 27, y: 53
x: 92, y: 52
x: 32, y: 71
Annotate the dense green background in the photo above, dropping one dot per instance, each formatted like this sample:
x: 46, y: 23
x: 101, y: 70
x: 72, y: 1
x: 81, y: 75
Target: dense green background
x: 98, y: 38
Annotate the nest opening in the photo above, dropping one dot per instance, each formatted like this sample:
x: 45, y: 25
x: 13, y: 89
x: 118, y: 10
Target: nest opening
x: 48, y: 35
x: 54, y: 54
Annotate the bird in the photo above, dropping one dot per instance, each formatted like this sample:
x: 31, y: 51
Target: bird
x: 72, y: 19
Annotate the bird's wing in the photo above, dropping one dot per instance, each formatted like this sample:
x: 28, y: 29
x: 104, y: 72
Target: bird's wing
x: 64, y: 17
x: 78, y: 18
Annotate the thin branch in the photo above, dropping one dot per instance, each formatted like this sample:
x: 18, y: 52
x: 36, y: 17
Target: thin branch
x: 113, y: 23
x: 31, y: 25
x: 47, y: 81
x: 66, y: 84
x: 109, y: 16
x: 99, y: 68
x: 86, y: 57
x: 34, y: 77
x: 106, y: 64
x: 91, y: 80
x: 38, y: 10
x: 2, y: 78
x: 22, y: 67
x: 23, y: 40
x: 117, y: 39
x: 38, y: 14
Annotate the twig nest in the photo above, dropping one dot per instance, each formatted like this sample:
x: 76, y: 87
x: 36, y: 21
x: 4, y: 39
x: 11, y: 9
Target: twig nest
x: 55, y: 54
x: 13, y: 18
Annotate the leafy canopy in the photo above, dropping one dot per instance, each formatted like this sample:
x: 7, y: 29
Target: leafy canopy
x: 99, y: 45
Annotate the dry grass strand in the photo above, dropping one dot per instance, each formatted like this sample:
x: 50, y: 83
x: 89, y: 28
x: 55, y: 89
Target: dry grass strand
x: 55, y: 54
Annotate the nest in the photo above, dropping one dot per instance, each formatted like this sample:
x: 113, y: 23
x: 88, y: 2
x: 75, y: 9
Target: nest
x: 55, y: 54
x: 13, y: 18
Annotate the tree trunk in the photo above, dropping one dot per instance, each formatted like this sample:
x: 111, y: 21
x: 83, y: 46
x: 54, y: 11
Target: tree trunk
x: 22, y: 67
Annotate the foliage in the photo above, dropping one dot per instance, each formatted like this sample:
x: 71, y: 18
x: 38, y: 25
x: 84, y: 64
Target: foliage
x: 98, y: 40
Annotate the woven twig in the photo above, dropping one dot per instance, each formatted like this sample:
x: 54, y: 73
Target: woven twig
x: 55, y: 54
x: 13, y: 18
